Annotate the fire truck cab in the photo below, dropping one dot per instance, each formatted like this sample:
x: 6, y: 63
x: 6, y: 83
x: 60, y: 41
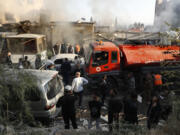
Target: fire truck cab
x: 103, y: 57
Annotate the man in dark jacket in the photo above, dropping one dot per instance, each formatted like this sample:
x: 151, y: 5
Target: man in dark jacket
x: 95, y: 111
x: 130, y: 109
x: 68, y: 108
x: 65, y: 71
x: 103, y: 88
x: 154, y: 112
x: 114, y: 108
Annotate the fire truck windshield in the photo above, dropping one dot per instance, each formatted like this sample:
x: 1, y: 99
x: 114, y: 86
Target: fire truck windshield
x: 100, y: 58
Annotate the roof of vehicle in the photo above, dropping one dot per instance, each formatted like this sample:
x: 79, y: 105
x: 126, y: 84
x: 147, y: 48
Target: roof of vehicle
x: 104, y: 46
x: 70, y: 56
x: 26, y: 36
x: 42, y: 76
x: 148, y: 54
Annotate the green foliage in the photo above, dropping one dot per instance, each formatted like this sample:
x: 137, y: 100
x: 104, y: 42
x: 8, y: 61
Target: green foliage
x: 13, y: 86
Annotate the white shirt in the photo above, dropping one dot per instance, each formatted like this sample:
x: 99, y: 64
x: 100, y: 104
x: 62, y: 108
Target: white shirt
x: 77, y: 84
x: 77, y: 61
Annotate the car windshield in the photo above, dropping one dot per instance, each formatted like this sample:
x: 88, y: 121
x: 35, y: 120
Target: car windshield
x: 53, y: 87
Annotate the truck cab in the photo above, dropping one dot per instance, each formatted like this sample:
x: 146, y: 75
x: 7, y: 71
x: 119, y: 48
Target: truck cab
x: 102, y: 57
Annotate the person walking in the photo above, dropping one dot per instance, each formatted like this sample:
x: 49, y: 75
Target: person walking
x: 77, y: 86
x: 95, y: 111
x: 20, y: 64
x: 153, y: 113
x: 78, y: 68
x: 103, y: 88
x: 71, y: 49
x: 130, y: 109
x: 114, y: 108
x: 67, y: 103
x: 8, y: 59
x: 65, y: 71
x: 148, y: 88
x: 26, y: 63
x: 67, y: 48
x: 131, y: 83
x: 38, y: 62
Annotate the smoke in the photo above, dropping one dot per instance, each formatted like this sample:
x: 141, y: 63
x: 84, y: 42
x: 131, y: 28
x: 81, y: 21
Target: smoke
x: 57, y: 8
x: 20, y: 9
x: 31, y: 9
x: 104, y: 10
x: 167, y: 11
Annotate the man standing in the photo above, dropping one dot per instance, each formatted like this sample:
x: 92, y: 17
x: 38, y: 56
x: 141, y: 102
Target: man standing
x: 26, y: 63
x: 71, y: 49
x: 8, y: 59
x: 38, y: 62
x: 95, y: 111
x: 104, y: 88
x: 65, y: 71
x: 77, y: 86
x: 131, y: 82
x: 130, y: 109
x: 68, y: 108
x: 158, y: 83
x: 114, y: 108
x: 153, y: 113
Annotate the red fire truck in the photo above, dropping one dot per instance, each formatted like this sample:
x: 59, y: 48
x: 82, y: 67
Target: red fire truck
x: 115, y: 60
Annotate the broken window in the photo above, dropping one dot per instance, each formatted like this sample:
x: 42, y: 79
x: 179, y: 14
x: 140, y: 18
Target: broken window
x: 21, y: 45
x: 100, y: 58
x: 53, y: 87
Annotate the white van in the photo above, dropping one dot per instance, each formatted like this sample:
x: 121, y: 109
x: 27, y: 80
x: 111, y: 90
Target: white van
x: 49, y: 90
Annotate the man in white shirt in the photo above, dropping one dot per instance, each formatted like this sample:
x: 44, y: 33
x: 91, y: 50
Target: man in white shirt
x: 77, y: 86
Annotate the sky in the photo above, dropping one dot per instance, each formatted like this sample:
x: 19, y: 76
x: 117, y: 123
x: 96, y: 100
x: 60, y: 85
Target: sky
x: 126, y: 11
x: 102, y: 11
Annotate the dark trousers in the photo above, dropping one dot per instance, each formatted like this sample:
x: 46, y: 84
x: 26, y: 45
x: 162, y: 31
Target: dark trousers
x: 67, y: 118
x: 113, y: 117
x: 158, y: 89
x: 103, y: 98
x: 79, y: 95
x: 65, y: 78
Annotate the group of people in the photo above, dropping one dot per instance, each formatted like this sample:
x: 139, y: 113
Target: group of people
x: 23, y: 63
x: 127, y: 108
x: 72, y: 93
x: 67, y: 48
x: 155, y: 103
